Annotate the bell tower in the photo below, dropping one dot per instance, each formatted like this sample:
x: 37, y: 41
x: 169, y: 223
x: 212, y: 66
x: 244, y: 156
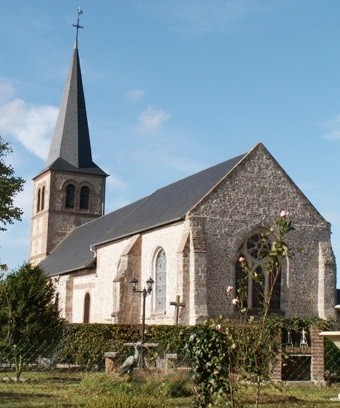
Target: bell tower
x: 70, y: 190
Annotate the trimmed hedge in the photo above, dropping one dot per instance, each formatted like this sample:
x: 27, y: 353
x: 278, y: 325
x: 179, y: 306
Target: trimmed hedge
x: 85, y: 344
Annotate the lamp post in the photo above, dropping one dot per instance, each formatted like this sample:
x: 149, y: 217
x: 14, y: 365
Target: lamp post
x: 144, y: 292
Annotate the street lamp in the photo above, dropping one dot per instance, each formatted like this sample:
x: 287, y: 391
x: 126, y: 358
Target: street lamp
x: 144, y: 292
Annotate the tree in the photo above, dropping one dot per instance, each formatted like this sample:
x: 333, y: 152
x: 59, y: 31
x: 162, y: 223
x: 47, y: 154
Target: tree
x: 10, y: 185
x: 29, y: 320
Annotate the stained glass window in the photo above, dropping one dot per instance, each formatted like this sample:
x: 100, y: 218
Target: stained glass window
x: 160, y: 287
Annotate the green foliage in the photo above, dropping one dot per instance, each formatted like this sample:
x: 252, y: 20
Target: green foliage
x: 10, y: 185
x: 85, y: 344
x: 29, y: 320
x: 224, y: 353
x: 332, y: 360
x: 154, y: 387
x: 207, y: 348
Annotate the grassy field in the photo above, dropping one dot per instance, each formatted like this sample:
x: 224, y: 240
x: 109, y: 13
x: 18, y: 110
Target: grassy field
x: 98, y: 390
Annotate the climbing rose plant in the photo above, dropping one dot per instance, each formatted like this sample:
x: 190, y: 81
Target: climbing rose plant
x: 226, y: 352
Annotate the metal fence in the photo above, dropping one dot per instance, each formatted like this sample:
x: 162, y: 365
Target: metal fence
x: 38, y: 377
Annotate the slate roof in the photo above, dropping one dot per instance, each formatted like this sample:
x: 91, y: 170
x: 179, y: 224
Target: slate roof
x: 166, y: 205
x: 70, y: 147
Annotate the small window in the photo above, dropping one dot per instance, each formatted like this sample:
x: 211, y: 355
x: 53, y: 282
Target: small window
x: 84, y: 198
x: 70, y: 196
x: 38, y: 200
x: 87, y: 301
x: 42, y: 198
x: 160, y: 275
x: 56, y: 302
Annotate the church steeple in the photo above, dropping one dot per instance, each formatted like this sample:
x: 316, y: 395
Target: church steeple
x: 70, y: 190
x: 70, y: 146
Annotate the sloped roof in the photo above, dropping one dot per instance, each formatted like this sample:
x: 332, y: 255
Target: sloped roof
x: 166, y: 205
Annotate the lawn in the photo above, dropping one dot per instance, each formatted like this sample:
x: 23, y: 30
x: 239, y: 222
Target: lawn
x: 97, y: 390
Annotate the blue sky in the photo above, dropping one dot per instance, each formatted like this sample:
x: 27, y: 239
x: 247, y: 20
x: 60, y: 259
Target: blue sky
x: 173, y: 87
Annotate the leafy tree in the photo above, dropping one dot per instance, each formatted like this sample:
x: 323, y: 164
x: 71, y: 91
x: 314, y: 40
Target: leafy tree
x: 10, y: 185
x: 29, y: 320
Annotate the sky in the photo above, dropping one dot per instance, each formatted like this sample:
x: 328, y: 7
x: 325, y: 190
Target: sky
x: 174, y: 87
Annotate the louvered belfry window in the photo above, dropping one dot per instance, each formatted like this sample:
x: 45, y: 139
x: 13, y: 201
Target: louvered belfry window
x: 84, y: 198
x: 70, y: 196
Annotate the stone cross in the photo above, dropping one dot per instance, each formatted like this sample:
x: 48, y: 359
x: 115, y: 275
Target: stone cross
x: 177, y: 305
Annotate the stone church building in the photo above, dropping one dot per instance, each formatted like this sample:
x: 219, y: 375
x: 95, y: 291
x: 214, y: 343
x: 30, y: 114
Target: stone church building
x: 187, y: 236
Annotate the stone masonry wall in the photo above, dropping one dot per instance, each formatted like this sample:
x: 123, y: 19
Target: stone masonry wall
x: 251, y: 198
x: 54, y: 222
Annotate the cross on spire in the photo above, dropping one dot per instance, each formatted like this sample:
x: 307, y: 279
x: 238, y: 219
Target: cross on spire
x: 77, y: 26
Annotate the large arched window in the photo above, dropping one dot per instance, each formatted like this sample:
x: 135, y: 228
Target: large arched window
x: 84, y: 198
x: 87, y: 302
x: 42, y: 205
x: 160, y: 281
x: 70, y: 196
x: 257, y: 282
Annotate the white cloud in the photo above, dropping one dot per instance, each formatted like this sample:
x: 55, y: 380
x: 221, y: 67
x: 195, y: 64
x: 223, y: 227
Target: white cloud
x: 202, y: 16
x: 24, y: 201
x: 134, y: 95
x: 332, y: 127
x: 169, y: 159
x: 29, y: 124
x: 7, y: 91
x: 152, y: 119
x: 116, y: 182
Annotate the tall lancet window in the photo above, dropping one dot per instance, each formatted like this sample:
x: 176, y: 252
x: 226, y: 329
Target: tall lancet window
x: 84, y: 198
x: 160, y: 281
x: 42, y: 205
x: 70, y: 196
x: 87, y: 303
x: 38, y: 199
x: 258, y: 281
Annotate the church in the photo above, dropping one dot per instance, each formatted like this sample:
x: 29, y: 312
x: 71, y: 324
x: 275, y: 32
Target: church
x: 187, y: 236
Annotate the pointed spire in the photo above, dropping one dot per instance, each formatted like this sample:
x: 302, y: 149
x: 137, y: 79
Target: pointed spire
x: 70, y: 147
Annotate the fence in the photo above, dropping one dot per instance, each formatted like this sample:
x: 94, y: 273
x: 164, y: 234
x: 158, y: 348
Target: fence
x: 306, y: 374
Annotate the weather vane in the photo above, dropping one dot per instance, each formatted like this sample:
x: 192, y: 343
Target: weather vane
x: 77, y: 26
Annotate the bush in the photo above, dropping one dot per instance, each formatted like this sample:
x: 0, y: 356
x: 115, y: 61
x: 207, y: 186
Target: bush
x: 85, y: 344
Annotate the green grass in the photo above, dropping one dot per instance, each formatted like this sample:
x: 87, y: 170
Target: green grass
x: 94, y: 390
x: 145, y: 390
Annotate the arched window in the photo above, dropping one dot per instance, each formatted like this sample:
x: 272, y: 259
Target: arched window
x: 87, y: 301
x: 70, y: 196
x: 160, y: 281
x: 42, y: 205
x: 257, y: 282
x: 84, y: 198
x: 38, y: 199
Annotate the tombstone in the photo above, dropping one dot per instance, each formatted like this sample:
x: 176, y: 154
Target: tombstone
x: 111, y: 361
